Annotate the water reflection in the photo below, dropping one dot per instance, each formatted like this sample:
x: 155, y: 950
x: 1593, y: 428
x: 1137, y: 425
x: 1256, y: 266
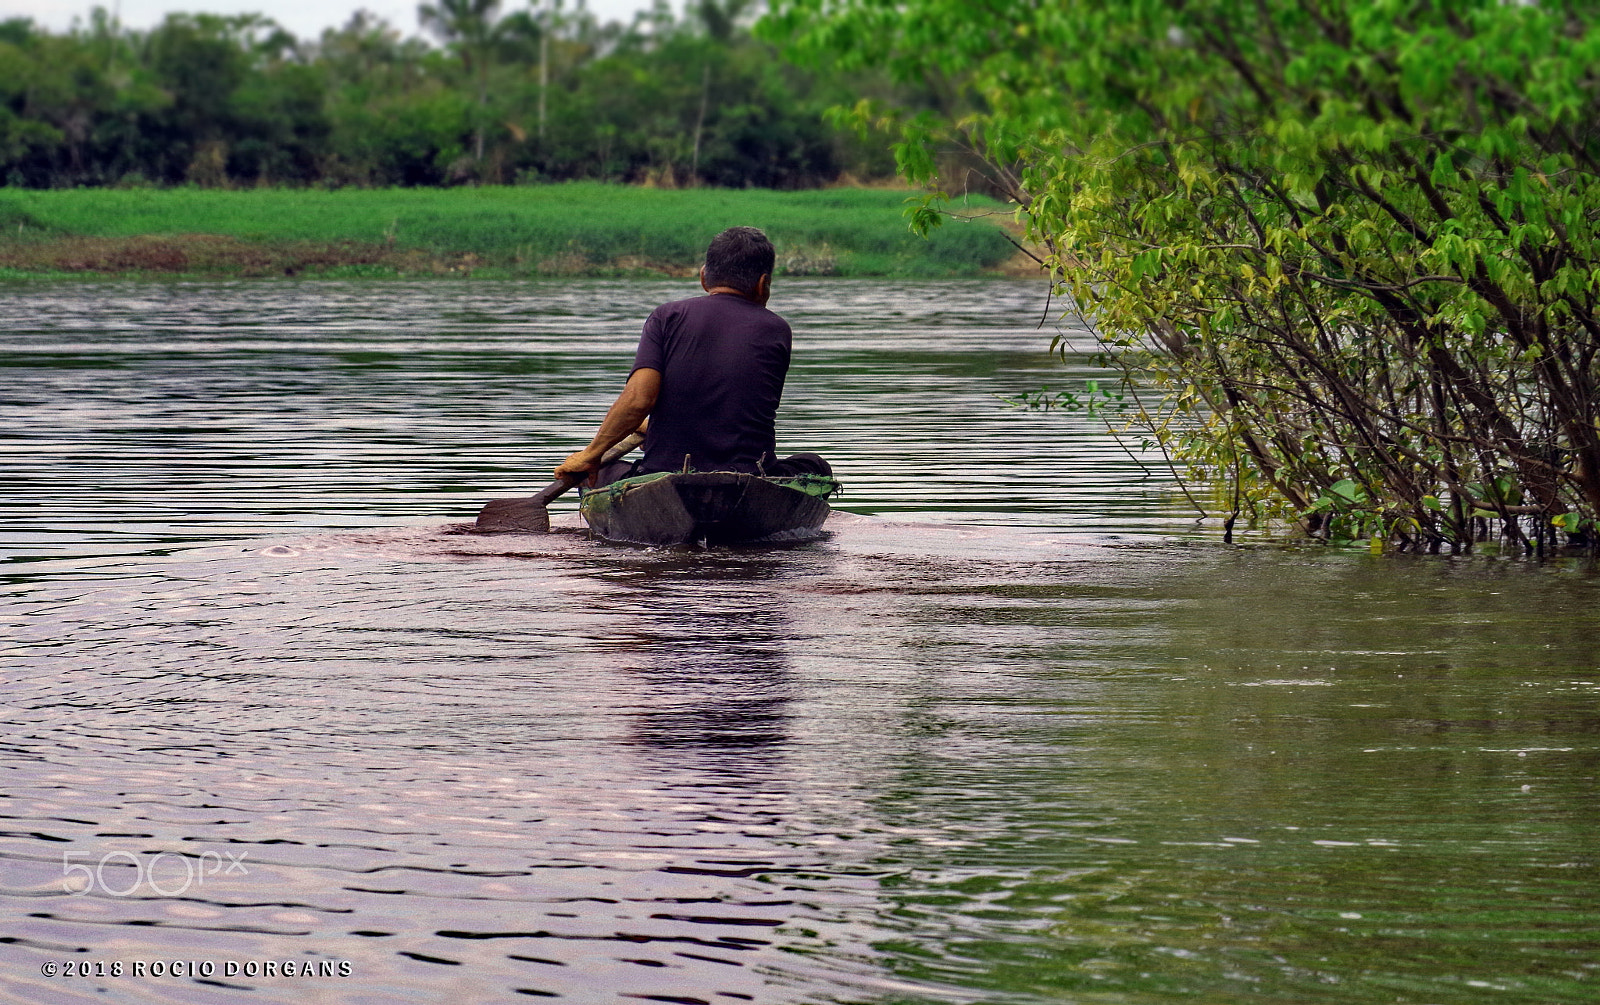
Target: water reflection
x: 707, y: 646
x: 1301, y: 786
x: 1038, y: 755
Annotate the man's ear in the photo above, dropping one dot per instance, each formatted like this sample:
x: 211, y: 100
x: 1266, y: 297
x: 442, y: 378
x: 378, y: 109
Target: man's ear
x: 764, y: 288
x: 703, y: 285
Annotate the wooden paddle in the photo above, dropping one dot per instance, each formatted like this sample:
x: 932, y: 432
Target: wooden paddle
x: 530, y: 515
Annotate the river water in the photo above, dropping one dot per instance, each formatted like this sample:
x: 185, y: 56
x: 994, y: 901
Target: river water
x: 1017, y: 731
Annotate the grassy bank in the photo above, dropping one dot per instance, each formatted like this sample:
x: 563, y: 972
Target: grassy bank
x: 573, y: 229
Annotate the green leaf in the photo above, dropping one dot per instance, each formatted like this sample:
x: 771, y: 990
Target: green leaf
x: 1347, y: 490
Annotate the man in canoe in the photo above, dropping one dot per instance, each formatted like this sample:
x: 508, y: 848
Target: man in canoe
x: 708, y: 375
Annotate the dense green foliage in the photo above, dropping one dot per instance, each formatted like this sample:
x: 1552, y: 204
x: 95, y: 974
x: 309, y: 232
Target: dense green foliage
x: 1352, y: 240
x: 577, y: 227
x: 505, y: 96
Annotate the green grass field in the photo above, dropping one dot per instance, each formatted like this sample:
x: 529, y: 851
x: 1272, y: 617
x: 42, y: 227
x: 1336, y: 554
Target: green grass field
x: 578, y: 228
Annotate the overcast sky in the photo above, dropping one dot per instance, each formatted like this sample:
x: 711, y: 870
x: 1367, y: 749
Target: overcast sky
x: 305, y: 18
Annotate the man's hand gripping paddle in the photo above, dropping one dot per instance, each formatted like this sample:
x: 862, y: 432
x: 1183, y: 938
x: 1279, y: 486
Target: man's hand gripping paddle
x: 530, y: 515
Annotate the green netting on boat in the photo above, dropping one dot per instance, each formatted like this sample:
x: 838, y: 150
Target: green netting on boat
x: 821, y: 486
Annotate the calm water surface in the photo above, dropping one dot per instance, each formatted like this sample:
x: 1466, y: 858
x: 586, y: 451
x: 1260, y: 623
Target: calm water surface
x: 1016, y: 732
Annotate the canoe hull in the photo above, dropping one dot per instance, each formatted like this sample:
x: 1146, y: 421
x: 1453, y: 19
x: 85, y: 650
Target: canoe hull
x: 713, y: 507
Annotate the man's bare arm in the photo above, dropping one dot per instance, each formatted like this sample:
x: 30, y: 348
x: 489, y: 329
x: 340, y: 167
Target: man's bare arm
x: 626, y: 415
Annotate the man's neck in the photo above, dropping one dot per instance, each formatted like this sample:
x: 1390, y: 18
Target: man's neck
x: 757, y: 296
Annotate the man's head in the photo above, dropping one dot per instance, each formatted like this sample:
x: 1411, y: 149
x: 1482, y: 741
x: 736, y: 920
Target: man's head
x: 738, y: 259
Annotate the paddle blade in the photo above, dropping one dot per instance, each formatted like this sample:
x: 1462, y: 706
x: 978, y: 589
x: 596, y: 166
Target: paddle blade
x: 514, y: 516
x: 529, y: 515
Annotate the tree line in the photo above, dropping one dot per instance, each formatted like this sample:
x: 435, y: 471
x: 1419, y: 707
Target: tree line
x: 541, y: 93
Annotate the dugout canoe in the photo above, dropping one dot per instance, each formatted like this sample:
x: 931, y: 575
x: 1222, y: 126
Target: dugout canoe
x: 710, y: 507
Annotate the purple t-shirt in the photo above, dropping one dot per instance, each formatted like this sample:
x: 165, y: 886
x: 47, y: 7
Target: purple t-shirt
x: 722, y: 360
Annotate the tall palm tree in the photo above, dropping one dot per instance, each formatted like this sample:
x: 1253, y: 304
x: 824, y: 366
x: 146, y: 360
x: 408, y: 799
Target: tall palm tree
x: 719, y: 20
x: 472, y: 29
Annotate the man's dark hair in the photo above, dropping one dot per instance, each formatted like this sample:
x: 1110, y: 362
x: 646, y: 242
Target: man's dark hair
x: 739, y: 257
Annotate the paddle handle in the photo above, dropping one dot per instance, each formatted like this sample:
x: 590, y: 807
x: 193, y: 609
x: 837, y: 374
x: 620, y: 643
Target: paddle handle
x: 550, y: 492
